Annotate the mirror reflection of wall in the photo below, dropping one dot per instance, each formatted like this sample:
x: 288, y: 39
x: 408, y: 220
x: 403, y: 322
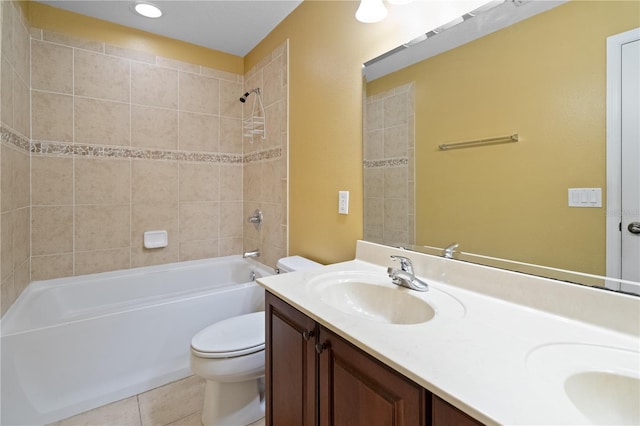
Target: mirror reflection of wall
x: 389, y: 167
x: 543, y: 78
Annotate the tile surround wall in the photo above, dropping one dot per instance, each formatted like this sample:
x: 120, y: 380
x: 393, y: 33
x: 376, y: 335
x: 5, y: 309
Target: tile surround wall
x: 265, y: 175
x: 15, y: 209
x: 123, y: 142
x: 389, y: 141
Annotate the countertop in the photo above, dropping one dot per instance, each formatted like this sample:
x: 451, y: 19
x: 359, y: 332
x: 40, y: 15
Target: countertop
x: 495, y: 358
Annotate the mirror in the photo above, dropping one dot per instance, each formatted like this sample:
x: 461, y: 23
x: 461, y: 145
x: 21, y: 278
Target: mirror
x: 542, y: 77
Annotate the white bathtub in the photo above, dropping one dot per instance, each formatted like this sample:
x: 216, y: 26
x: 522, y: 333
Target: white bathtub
x: 73, y: 344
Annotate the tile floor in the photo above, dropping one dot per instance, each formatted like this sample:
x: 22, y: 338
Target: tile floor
x: 175, y: 404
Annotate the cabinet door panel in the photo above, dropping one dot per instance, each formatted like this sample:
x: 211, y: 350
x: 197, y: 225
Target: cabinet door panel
x: 445, y: 414
x: 291, y: 366
x: 356, y: 390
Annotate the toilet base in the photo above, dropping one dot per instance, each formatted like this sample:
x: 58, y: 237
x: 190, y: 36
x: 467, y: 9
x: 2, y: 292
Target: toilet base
x: 233, y: 404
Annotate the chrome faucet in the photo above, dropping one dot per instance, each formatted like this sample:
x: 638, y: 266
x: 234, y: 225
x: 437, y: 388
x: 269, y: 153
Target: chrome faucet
x: 252, y: 253
x: 448, y: 252
x: 405, y: 277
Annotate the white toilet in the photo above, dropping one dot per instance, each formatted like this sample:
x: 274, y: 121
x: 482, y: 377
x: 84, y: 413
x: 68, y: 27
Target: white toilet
x: 229, y: 355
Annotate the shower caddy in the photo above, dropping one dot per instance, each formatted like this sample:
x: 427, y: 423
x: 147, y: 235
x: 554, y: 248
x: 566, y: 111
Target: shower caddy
x: 255, y: 124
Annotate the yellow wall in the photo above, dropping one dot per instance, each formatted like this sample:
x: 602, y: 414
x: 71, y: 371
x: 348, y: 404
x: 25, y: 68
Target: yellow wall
x: 59, y: 20
x: 327, y: 49
x: 545, y: 79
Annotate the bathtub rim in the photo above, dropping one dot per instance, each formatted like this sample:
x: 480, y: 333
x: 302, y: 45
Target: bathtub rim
x: 37, y: 285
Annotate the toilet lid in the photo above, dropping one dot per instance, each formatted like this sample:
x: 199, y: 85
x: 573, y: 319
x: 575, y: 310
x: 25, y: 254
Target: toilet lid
x: 235, y: 336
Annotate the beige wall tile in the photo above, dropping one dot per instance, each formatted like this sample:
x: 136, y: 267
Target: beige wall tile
x: 101, y: 76
x: 22, y: 47
x: 199, y: 221
x: 152, y: 217
x: 194, y: 250
x: 50, y: 267
x: 374, y: 145
x: 273, y: 126
x: 136, y: 55
x: 101, y: 122
x: 51, y: 230
x: 7, y: 294
x: 15, y: 179
x: 194, y: 419
x: 8, y: 17
x: 21, y: 107
x: 272, y: 173
x: 396, y: 111
x: 154, y: 127
x: 395, y: 217
x: 374, y: 116
x: 154, y: 181
x: 395, y: 183
x: 90, y: 262
x: 6, y: 78
x: 230, y: 135
x: 68, y: 40
x: 99, y: 181
x: 199, y: 94
x: 252, y: 182
x: 21, y: 236
x: 7, y: 229
x: 229, y: 246
x: 230, y: 105
x: 272, y: 225
x: 396, y: 141
x: 124, y: 412
x: 272, y: 79
x: 231, y: 219
x: 22, y: 277
x: 154, y: 86
x: 52, y: 116
x: 198, y: 132
x: 231, y: 182
x: 199, y: 181
x: 51, y: 67
x: 51, y: 180
x: 178, y: 65
x: 171, y: 402
x: 102, y: 227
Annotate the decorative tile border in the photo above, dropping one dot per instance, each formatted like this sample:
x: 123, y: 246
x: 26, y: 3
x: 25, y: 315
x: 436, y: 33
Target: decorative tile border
x: 389, y: 162
x: 8, y: 137
x: 123, y: 152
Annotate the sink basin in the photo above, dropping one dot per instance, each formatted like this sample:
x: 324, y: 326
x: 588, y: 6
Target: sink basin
x: 605, y: 398
x: 602, y: 382
x: 372, y: 296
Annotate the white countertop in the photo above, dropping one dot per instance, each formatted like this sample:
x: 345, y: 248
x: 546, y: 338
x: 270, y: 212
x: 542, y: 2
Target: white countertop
x: 499, y: 361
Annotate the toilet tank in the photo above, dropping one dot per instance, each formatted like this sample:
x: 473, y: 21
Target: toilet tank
x: 295, y: 263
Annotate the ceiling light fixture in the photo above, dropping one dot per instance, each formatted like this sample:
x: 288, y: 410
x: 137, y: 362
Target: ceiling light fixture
x: 371, y: 11
x: 148, y: 10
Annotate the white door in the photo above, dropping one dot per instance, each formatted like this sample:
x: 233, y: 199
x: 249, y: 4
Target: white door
x: 623, y: 160
x: 630, y: 150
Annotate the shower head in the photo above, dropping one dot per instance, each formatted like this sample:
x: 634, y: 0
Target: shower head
x: 244, y: 97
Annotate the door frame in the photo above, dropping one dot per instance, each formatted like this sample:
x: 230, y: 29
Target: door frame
x: 614, y: 153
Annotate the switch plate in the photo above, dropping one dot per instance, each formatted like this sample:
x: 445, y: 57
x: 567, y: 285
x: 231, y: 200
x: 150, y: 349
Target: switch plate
x: 343, y: 202
x: 585, y: 197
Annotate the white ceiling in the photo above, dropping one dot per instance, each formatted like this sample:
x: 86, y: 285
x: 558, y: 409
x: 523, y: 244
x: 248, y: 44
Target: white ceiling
x: 232, y: 26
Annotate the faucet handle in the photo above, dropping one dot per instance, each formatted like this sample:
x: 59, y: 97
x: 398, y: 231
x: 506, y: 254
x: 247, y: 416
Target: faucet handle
x: 405, y: 263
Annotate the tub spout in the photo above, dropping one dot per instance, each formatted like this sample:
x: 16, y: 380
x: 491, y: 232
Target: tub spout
x: 252, y: 253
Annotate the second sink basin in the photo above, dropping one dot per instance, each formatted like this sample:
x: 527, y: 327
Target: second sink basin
x: 372, y: 296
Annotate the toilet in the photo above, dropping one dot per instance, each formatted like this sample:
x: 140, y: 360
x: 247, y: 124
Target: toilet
x: 229, y: 355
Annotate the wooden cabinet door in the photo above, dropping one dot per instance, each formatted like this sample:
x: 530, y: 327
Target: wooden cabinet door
x: 445, y: 414
x: 291, y: 368
x: 357, y: 390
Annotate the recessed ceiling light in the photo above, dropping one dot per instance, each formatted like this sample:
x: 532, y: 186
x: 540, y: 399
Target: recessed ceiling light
x: 148, y: 10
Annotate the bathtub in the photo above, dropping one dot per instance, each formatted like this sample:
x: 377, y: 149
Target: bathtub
x: 69, y: 345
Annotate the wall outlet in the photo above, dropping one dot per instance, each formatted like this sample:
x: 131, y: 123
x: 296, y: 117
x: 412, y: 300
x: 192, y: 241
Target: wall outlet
x: 343, y: 202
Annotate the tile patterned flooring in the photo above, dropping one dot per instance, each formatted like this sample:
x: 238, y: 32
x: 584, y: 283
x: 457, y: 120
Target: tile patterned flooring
x: 175, y: 404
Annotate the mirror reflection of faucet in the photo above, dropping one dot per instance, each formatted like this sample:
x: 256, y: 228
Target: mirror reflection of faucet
x: 450, y: 250
x: 405, y: 277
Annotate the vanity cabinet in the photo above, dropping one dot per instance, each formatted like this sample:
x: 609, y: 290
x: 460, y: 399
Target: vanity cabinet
x: 316, y: 378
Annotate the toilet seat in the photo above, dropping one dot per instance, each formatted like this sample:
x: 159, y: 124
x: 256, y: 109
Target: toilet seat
x: 233, y: 337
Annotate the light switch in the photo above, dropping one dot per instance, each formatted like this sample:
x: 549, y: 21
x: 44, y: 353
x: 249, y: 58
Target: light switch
x: 585, y: 197
x: 343, y: 202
